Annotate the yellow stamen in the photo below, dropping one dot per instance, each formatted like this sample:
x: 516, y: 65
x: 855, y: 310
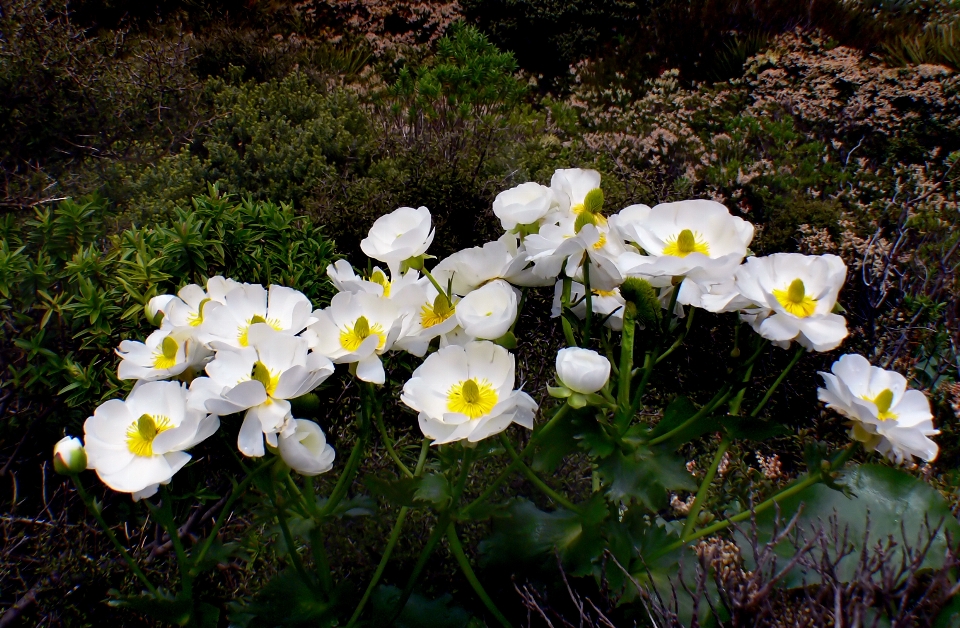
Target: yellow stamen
x: 351, y: 339
x: 265, y: 376
x: 379, y: 278
x: 167, y: 356
x: 604, y: 293
x: 244, y: 330
x: 440, y: 311
x: 599, y: 244
x: 795, y: 300
x: 195, y: 320
x: 140, y: 434
x: 685, y: 243
x: 883, y: 401
x: 472, y: 398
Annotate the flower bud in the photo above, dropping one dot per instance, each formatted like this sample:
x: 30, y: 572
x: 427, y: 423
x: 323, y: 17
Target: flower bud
x: 155, y: 308
x: 584, y: 218
x: 641, y: 294
x: 593, y: 201
x: 582, y: 370
x: 69, y: 457
x: 306, y: 450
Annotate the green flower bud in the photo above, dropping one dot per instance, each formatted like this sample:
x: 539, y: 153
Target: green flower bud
x: 69, y: 457
x: 593, y: 201
x: 642, y: 295
x: 584, y: 218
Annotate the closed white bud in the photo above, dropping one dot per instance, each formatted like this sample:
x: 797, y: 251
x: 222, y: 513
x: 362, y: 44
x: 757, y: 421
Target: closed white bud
x: 69, y: 457
x: 582, y: 370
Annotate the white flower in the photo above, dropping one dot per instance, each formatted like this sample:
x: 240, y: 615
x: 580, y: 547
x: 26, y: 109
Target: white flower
x: 607, y: 305
x: 156, y: 308
x: 166, y: 353
x: 137, y: 444
x: 467, y: 393
x: 560, y: 247
x: 187, y: 308
x: 344, y: 278
x: 697, y: 239
x: 583, y: 371
x: 503, y: 258
x: 522, y: 205
x: 798, y: 293
x: 356, y: 328
x: 306, y: 450
x: 885, y: 415
x: 426, y: 317
x: 570, y: 187
x: 260, y: 379
x: 69, y: 457
x: 490, y: 311
x: 225, y: 325
x: 398, y: 236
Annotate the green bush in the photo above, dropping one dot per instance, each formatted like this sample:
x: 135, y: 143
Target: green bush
x: 69, y: 288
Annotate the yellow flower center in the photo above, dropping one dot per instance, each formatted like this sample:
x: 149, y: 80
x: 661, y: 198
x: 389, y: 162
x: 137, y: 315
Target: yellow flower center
x: 604, y: 293
x: 352, y: 338
x: 195, y: 320
x: 265, y: 376
x: 167, y: 356
x: 435, y: 314
x: 795, y: 299
x: 600, y: 242
x: 379, y: 278
x: 140, y: 434
x: 471, y: 398
x: 244, y: 330
x: 685, y: 243
x: 883, y: 402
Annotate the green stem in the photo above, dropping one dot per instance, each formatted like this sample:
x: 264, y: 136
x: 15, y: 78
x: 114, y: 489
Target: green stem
x: 353, y: 463
x: 735, y: 403
x: 235, y: 494
x: 316, y: 538
x: 435, y: 284
x: 787, y: 491
x: 793, y: 361
x: 626, y: 357
x: 704, y: 488
x: 679, y: 340
x: 564, y: 307
x: 391, y: 543
x: 88, y: 502
x: 535, y: 479
x: 649, y: 361
x: 588, y: 317
x: 669, y: 318
x: 457, y: 549
x: 288, y: 537
x: 500, y: 479
x: 170, y: 524
x: 388, y: 442
x: 711, y: 405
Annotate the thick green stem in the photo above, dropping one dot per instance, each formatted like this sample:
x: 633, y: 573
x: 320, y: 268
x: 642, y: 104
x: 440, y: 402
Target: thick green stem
x: 170, y: 525
x: 391, y: 543
x: 679, y: 340
x: 435, y: 284
x: 704, y: 488
x: 388, y: 442
x: 457, y: 549
x: 669, y: 318
x: 316, y: 537
x: 649, y: 361
x: 626, y: 362
x: 88, y: 502
x: 588, y: 317
x: 711, y: 405
x: 535, y: 479
x: 500, y: 479
x: 353, y: 463
x: 288, y: 537
x: 793, y: 361
x: 564, y: 307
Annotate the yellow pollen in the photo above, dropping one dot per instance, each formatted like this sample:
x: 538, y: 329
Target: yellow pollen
x: 440, y: 311
x: 194, y: 320
x: 140, y: 434
x: 244, y: 330
x: 379, y: 278
x: 472, y: 398
x: 167, y: 356
x: 795, y: 300
x: 685, y: 243
x: 883, y: 401
x: 599, y: 244
x: 576, y: 209
x: 265, y: 376
x: 604, y: 293
x: 351, y: 339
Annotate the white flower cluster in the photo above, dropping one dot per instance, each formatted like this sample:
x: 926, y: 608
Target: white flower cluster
x: 246, y: 348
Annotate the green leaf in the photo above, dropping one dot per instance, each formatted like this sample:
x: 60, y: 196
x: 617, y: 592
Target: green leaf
x: 644, y: 475
x: 418, y: 611
x: 434, y: 488
x: 676, y: 413
x: 400, y: 492
x: 166, y: 609
x: 287, y: 601
x: 559, y: 443
x: 897, y: 504
x: 749, y: 428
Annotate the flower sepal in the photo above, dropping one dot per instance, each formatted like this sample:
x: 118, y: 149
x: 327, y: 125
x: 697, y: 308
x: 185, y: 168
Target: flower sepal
x: 507, y: 341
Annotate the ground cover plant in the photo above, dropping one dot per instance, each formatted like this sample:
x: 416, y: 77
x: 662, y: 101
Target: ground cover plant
x: 201, y: 142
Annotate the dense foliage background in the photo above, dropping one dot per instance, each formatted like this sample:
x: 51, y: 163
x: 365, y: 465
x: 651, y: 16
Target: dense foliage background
x: 146, y: 145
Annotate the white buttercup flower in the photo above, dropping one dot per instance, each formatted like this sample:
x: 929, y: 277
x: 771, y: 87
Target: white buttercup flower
x: 571, y: 186
x: 799, y: 292
x: 466, y: 392
x: 165, y: 354
x: 429, y: 315
x: 562, y: 247
x: 137, y: 444
x: 885, y: 415
x: 488, y: 312
x: 697, y: 239
x: 306, y: 450
x: 226, y: 325
x: 379, y: 282
x: 156, y: 308
x: 187, y: 308
x: 260, y: 379
x: 403, y: 233
x: 607, y: 304
x: 523, y: 205
x: 357, y: 327
x: 583, y: 371
x: 504, y: 258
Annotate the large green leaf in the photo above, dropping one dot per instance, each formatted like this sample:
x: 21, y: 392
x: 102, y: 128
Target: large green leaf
x: 418, y: 611
x: 645, y: 475
x: 675, y: 415
x: 882, y: 503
